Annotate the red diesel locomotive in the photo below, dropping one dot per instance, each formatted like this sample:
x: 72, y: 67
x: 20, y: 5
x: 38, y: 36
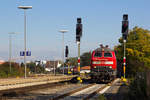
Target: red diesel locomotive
x: 103, y: 64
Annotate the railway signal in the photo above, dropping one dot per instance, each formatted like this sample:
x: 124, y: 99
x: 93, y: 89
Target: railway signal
x: 125, y: 26
x: 78, y: 36
x: 67, y: 60
x: 66, y: 51
x: 78, y: 30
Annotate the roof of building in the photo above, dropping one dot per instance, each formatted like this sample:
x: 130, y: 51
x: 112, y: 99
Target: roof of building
x: 2, y: 61
x: 86, y: 68
x: 51, y: 64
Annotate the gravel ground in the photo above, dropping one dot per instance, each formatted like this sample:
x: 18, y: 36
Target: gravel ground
x: 116, y: 92
x: 84, y: 93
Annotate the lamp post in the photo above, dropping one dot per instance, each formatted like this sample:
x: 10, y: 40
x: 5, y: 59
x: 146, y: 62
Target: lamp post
x: 25, y: 8
x: 63, y: 31
x: 54, y: 68
x: 10, y: 49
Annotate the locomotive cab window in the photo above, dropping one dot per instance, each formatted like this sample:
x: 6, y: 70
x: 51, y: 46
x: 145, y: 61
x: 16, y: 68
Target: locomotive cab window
x: 107, y: 54
x: 98, y: 54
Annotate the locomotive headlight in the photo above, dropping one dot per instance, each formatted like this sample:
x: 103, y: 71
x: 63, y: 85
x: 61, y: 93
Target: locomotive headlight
x: 96, y: 62
x: 109, y: 62
x: 110, y: 66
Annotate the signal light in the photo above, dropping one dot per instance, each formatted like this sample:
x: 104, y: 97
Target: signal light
x: 79, y: 20
x: 78, y: 29
x: 125, y: 26
x: 124, y: 36
x: 66, y: 51
x: 78, y: 38
x: 125, y: 17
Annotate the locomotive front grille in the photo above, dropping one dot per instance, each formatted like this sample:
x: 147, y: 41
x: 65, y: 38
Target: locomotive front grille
x: 102, y: 69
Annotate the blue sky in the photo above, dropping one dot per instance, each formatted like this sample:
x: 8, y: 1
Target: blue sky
x: 101, y: 24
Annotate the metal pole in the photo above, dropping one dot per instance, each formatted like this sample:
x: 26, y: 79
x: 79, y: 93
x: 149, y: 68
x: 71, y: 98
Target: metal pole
x: 25, y: 42
x: 10, y: 52
x: 68, y: 66
x: 78, y: 57
x: 63, y: 55
x: 54, y: 67
x: 124, y: 58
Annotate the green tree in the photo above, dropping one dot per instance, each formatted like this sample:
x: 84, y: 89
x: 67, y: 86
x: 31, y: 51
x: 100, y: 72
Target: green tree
x: 35, y: 69
x: 73, y: 61
x: 137, y: 50
x: 32, y: 67
x: 40, y: 69
x: 86, y: 59
x: 16, y: 70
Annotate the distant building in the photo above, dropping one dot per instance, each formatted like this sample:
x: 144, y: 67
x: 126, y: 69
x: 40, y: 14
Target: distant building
x: 40, y: 62
x: 50, y: 65
x: 2, y: 61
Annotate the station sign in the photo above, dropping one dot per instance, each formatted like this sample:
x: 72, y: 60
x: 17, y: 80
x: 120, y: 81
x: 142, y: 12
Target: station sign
x: 28, y: 53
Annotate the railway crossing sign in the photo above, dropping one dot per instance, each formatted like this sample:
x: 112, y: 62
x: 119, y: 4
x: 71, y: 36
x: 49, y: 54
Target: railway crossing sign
x: 28, y: 53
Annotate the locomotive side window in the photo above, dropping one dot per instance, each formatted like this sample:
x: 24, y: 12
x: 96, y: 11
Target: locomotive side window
x: 107, y: 54
x: 98, y: 54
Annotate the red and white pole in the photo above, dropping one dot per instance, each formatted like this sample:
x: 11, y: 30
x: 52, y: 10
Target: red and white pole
x: 79, y: 64
x: 124, y: 59
x: 124, y: 64
x: 78, y: 57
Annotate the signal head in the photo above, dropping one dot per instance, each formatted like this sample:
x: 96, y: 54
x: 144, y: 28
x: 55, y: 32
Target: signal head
x: 125, y: 17
x: 101, y: 45
x: 66, y: 51
x: 106, y: 46
x: 79, y: 20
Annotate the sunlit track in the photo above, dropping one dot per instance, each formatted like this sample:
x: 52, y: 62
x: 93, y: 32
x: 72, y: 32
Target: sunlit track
x: 65, y: 95
x: 83, y: 93
x: 101, y: 90
x: 86, y: 92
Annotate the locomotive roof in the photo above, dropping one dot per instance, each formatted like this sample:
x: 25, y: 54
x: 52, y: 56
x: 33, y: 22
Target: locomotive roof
x: 106, y: 49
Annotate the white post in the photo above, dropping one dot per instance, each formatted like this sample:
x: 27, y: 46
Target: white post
x: 63, y: 31
x: 10, y: 52
x: 25, y: 8
x: 25, y: 43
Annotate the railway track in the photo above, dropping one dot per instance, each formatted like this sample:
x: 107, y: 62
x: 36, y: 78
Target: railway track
x: 57, y: 91
x: 45, y: 92
x: 85, y: 93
